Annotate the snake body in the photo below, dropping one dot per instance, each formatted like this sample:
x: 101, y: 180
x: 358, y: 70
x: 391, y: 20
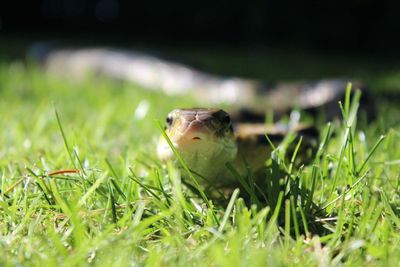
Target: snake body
x: 173, y: 78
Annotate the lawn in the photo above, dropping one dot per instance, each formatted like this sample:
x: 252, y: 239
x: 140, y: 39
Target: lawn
x: 126, y: 208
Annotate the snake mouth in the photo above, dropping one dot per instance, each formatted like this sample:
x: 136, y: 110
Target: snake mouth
x: 197, y: 131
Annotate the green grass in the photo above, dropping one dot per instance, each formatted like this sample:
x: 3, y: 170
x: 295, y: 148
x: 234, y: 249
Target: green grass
x: 125, y: 207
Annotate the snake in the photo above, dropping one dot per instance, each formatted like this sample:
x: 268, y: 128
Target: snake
x: 208, y: 139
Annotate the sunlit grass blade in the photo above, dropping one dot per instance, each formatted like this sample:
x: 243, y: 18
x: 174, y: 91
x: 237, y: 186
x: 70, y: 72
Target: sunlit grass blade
x: 67, y: 147
x: 112, y: 204
x: 373, y: 150
x: 294, y: 216
x: 228, y: 210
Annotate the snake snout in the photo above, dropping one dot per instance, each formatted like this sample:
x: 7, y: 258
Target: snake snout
x: 197, y: 131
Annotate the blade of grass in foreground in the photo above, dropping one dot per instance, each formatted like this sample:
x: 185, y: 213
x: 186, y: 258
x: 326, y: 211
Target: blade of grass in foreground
x: 64, y: 138
x: 228, y: 210
x: 113, y: 181
x: 374, y: 148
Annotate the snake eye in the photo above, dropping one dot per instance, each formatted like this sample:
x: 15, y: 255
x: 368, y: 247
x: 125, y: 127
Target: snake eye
x: 223, y: 117
x: 226, y: 119
x: 169, y: 120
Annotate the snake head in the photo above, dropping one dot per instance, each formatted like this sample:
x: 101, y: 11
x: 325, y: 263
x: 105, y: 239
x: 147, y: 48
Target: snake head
x: 204, y: 138
x: 198, y: 124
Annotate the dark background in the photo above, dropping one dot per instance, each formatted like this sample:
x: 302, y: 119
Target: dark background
x: 353, y: 25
